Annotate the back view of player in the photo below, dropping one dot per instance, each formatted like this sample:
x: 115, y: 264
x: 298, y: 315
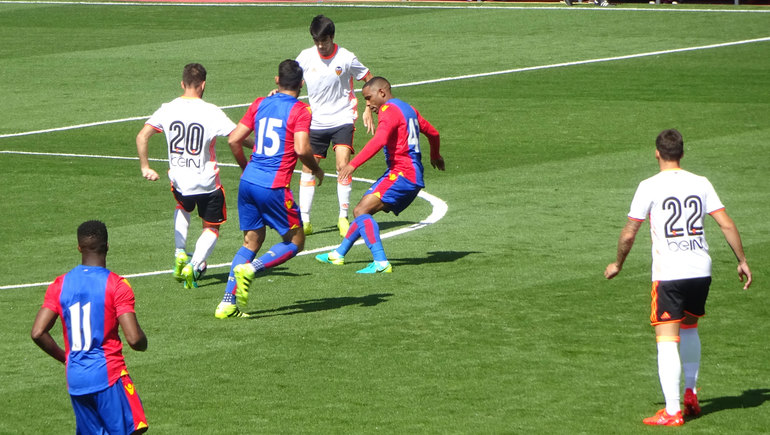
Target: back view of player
x: 191, y: 126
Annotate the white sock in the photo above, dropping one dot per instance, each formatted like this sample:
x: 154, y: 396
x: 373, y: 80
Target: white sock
x: 669, y: 372
x: 204, y: 247
x: 181, y: 224
x: 689, y: 352
x: 306, y: 193
x: 343, y: 196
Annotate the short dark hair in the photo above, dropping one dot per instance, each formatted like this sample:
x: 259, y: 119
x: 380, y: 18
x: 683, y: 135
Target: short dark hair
x: 670, y: 145
x: 193, y: 74
x: 377, y: 83
x: 321, y: 27
x: 290, y: 75
x: 92, y: 236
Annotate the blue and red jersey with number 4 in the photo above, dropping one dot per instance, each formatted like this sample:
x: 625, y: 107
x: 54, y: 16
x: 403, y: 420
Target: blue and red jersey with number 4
x: 89, y: 300
x: 398, y: 131
x: 275, y: 120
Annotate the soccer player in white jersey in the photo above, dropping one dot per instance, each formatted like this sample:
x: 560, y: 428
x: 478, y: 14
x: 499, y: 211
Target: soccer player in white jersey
x: 676, y: 202
x: 191, y: 126
x: 329, y: 71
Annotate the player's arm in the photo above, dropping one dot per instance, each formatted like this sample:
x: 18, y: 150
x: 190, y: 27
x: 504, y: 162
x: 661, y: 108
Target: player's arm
x: 305, y: 155
x: 733, y: 238
x: 132, y: 331
x: 41, y: 334
x: 625, y: 242
x: 236, y: 142
x: 367, y: 116
x: 434, y: 139
x: 142, y: 145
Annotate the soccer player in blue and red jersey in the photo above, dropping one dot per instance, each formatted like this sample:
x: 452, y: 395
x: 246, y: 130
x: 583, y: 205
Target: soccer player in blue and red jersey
x: 398, y: 133
x: 92, y: 301
x: 281, y: 124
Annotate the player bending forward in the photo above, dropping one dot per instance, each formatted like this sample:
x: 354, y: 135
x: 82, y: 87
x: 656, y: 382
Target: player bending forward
x: 398, y: 132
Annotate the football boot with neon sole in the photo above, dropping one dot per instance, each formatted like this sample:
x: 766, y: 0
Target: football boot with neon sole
x: 225, y: 310
x: 663, y: 418
x: 180, y: 261
x: 373, y: 267
x: 331, y: 258
x: 244, y: 274
x: 343, y: 225
x: 307, y: 228
x: 192, y: 275
x: 691, y: 406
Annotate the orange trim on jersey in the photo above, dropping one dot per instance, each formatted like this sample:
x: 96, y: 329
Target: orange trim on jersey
x: 719, y: 209
x: 654, y: 303
x: 635, y: 219
x: 159, y: 130
x: 334, y: 53
x: 667, y: 339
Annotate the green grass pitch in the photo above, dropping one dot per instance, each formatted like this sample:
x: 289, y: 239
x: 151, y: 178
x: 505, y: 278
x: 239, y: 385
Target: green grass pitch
x: 497, y: 318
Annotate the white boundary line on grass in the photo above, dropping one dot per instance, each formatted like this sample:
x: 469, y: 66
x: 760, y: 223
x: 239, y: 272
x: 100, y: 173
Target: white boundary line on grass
x: 439, y: 209
x: 444, y: 79
x: 320, y: 3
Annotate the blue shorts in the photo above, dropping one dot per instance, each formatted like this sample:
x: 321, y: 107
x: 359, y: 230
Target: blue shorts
x: 395, y: 191
x: 115, y: 410
x: 259, y: 206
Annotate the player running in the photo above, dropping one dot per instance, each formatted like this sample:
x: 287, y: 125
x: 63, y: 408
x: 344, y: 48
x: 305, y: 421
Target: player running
x: 191, y: 126
x: 281, y: 124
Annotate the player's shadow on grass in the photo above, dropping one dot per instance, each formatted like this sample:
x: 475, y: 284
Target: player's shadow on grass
x: 221, y: 277
x: 748, y: 399
x: 322, y: 304
x: 384, y: 226
x: 432, y: 257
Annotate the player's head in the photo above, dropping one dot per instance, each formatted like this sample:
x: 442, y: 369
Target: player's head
x: 376, y: 92
x: 321, y: 27
x: 92, y: 237
x: 194, y: 78
x: 193, y: 74
x: 290, y: 75
x: 322, y: 31
x: 670, y: 145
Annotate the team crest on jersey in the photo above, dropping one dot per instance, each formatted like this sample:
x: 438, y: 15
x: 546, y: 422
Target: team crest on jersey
x: 338, y: 70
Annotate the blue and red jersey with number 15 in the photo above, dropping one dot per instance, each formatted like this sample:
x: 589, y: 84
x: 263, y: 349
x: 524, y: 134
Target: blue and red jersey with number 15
x: 275, y: 120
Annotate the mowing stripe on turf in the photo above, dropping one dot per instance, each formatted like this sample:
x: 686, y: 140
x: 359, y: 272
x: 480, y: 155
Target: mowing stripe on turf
x: 445, y: 79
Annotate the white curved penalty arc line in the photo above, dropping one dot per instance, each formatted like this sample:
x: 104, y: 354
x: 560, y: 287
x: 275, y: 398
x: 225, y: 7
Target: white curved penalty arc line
x: 438, y: 205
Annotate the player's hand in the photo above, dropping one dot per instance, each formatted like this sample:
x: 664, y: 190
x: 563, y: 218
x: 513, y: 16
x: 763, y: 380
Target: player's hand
x: 149, y: 174
x: 319, y: 175
x: 368, y: 120
x: 273, y: 92
x: 346, y: 172
x: 438, y: 163
x: 611, y: 271
x: 744, y: 272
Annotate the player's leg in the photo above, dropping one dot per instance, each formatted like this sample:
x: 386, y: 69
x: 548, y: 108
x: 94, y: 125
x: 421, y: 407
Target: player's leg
x: 213, y: 211
x: 343, y: 148
x: 280, y: 212
x: 184, y: 206
x: 319, y: 142
x: 665, y: 317
x: 690, y: 346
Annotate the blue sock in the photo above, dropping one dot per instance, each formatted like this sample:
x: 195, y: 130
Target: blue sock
x: 370, y: 231
x: 350, y: 238
x: 277, y: 254
x: 244, y: 255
